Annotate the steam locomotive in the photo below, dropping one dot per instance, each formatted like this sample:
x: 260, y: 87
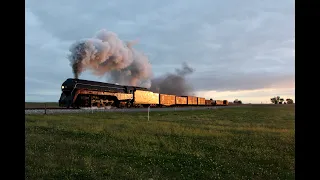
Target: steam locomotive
x: 77, y: 93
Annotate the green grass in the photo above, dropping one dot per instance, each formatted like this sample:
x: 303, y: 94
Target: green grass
x: 232, y: 143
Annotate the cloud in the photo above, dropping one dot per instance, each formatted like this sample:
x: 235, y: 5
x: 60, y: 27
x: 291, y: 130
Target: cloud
x: 220, y: 81
x: 249, y: 96
x: 232, y: 45
x: 45, y: 59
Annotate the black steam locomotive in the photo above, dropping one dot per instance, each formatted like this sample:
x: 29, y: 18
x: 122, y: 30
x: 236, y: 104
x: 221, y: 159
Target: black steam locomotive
x: 78, y: 93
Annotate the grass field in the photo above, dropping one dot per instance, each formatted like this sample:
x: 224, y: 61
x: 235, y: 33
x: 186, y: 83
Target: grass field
x: 231, y: 143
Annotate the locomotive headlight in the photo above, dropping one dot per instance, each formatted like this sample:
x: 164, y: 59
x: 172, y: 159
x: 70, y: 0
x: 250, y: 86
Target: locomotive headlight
x: 62, y: 87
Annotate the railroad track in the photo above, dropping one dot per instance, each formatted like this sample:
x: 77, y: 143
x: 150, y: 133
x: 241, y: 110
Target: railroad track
x: 49, y: 108
x: 61, y: 108
x: 64, y: 109
x: 89, y: 110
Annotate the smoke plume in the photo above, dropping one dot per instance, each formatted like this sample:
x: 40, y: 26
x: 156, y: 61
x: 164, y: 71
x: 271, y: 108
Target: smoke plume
x: 106, y: 54
x: 173, y: 83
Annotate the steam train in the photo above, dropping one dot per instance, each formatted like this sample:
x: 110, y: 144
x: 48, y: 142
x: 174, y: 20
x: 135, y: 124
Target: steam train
x: 77, y: 93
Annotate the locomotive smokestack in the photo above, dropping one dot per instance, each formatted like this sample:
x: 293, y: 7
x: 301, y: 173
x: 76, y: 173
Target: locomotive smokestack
x: 75, y: 70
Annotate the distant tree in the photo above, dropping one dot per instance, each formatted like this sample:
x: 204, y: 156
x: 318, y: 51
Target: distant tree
x: 289, y: 101
x: 276, y: 100
x: 236, y: 101
x: 279, y: 100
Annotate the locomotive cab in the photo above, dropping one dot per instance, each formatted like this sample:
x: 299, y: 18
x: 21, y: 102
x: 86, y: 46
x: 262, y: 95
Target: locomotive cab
x: 129, y: 89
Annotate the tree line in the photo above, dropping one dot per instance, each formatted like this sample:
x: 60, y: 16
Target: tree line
x: 279, y: 100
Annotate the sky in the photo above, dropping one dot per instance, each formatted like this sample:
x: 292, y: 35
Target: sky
x: 238, y: 49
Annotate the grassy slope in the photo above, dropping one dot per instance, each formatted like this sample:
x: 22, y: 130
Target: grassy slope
x: 231, y: 143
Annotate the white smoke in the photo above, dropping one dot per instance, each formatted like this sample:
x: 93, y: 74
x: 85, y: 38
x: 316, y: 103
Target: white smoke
x: 106, y: 54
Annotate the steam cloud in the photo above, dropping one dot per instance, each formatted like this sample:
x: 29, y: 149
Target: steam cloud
x: 106, y: 54
x: 173, y: 83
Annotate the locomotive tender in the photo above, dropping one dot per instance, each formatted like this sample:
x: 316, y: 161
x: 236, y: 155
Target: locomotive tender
x: 78, y: 93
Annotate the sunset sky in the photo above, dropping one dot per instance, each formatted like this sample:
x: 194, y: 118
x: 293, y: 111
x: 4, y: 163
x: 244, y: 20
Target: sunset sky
x: 239, y: 49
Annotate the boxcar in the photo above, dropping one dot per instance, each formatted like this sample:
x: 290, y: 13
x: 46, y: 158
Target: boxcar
x: 191, y: 100
x: 225, y: 102
x: 208, y: 102
x: 201, y: 101
x: 218, y: 103
x: 167, y: 99
x: 181, y: 100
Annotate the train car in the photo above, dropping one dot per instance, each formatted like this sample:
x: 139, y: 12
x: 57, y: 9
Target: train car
x: 181, y: 101
x: 225, y: 102
x: 191, y: 100
x: 217, y: 102
x: 209, y: 102
x: 167, y: 100
x: 145, y: 98
x: 201, y: 101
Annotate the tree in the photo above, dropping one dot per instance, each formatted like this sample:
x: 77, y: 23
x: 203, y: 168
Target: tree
x: 236, y: 101
x: 289, y: 101
x: 276, y: 100
x: 273, y: 100
x: 279, y: 100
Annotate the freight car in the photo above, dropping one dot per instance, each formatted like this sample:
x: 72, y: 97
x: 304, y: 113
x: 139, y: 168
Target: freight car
x: 192, y: 100
x: 209, y: 102
x: 201, y: 101
x: 220, y: 103
x: 181, y: 101
x: 225, y: 102
x: 167, y: 100
x: 78, y: 93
